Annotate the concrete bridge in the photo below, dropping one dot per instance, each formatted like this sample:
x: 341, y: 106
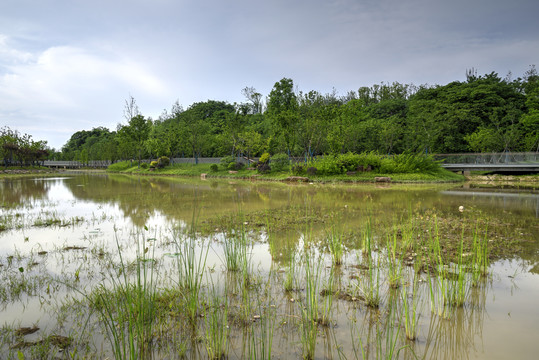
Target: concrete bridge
x: 507, y: 162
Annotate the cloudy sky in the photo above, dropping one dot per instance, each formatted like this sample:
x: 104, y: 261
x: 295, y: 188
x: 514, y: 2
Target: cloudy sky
x: 69, y: 65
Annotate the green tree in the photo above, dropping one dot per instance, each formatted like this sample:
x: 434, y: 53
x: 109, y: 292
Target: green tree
x: 133, y: 136
x: 282, y: 110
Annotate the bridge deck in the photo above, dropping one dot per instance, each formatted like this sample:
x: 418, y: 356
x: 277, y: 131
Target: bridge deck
x: 493, y: 167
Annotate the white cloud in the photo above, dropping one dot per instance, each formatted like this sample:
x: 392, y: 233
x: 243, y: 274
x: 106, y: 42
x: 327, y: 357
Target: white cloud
x: 69, y: 86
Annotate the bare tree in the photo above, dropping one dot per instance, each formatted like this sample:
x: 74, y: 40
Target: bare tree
x: 254, y: 97
x: 130, y: 109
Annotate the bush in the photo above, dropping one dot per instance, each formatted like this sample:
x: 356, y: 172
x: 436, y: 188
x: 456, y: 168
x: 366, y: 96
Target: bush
x: 327, y: 165
x: 413, y: 163
x: 349, y: 161
x: 144, y: 165
x: 235, y: 166
x: 371, y: 159
x: 298, y: 169
x: 280, y: 162
x: 312, y: 171
x: 163, y: 161
x: 263, y: 167
x: 265, y: 158
x: 226, y: 161
x: 120, y: 166
x: 214, y: 167
x: 153, y: 164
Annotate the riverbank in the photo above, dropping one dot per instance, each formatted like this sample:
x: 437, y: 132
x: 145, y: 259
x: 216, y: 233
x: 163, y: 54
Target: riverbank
x: 23, y: 171
x: 205, y: 171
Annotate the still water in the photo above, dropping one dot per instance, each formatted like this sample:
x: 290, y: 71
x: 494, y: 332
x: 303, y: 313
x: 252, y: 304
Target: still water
x: 56, y: 232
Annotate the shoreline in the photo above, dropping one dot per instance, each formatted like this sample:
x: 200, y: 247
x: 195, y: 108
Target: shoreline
x: 288, y: 178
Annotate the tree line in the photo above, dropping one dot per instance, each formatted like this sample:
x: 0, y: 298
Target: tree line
x: 20, y: 149
x: 482, y: 114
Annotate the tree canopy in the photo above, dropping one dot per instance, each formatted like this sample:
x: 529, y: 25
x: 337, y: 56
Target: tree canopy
x: 484, y: 113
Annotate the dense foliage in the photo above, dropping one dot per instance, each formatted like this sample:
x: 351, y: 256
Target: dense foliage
x: 482, y: 114
x: 20, y: 149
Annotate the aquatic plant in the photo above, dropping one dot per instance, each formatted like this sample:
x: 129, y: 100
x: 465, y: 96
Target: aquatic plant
x: 191, y: 261
x: 334, y: 242
x: 309, y: 304
x: 216, y: 325
x: 411, y: 310
x: 127, y: 305
x: 235, y: 249
x: 368, y: 286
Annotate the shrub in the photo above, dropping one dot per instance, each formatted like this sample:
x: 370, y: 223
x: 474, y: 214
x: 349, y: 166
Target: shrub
x: 327, y: 165
x: 280, y: 162
x: 388, y: 166
x: 371, y: 159
x: 265, y: 158
x: 263, y: 167
x: 312, y: 171
x: 120, y: 166
x: 298, y: 169
x: 144, y: 165
x: 163, y: 161
x: 226, y: 161
x: 415, y: 163
x: 214, y: 167
x: 349, y: 161
x: 235, y: 166
x: 153, y: 164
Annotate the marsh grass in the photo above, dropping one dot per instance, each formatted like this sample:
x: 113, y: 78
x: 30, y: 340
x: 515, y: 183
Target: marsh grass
x: 334, y: 242
x: 382, y: 338
x: 216, y: 325
x: 367, y: 238
x: 127, y: 305
x: 191, y: 263
x: 480, y: 257
x: 368, y: 285
x: 235, y: 250
x: 289, y: 282
x: 411, y: 308
x: 394, y: 262
x: 310, y: 311
x: 260, y: 333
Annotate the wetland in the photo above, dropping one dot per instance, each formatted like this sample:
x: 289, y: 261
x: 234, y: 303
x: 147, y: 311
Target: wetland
x: 117, y: 266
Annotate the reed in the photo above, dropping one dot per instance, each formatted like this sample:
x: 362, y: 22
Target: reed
x: 367, y: 239
x: 368, y: 286
x: 459, y: 281
x: 480, y: 257
x: 291, y: 273
x: 127, y: 306
x: 309, y: 304
x: 394, y: 263
x: 191, y: 263
x: 216, y: 326
x: 411, y: 311
x: 235, y: 249
x: 260, y: 340
x: 334, y: 242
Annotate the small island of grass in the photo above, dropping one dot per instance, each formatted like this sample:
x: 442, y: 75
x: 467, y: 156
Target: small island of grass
x: 349, y: 167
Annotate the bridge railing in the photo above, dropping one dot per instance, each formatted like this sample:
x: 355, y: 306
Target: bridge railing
x: 489, y: 158
x: 77, y: 164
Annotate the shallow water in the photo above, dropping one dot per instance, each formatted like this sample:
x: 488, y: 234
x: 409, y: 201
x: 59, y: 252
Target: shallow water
x: 73, y: 220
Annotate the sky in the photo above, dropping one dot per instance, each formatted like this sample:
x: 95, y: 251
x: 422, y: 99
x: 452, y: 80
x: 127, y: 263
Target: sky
x: 70, y: 65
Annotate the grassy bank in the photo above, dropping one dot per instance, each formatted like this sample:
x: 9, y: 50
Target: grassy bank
x: 127, y: 167
x: 22, y: 171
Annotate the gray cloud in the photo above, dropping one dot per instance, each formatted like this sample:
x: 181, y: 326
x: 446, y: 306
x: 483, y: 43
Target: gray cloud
x: 69, y: 65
